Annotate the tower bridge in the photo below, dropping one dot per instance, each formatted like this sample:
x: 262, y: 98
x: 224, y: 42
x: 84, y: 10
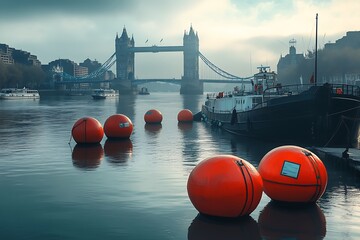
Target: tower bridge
x: 125, y: 61
x: 125, y: 81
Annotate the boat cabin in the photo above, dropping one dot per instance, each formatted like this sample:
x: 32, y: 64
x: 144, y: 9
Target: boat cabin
x: 264, y: 79
x: 239, y: 99
x: 227, y: 102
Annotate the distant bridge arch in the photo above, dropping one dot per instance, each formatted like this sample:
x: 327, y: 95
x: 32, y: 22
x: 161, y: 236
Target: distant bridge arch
x: 125, y: 61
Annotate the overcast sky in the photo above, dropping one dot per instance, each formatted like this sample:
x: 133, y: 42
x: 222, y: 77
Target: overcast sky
x: 236, y: 35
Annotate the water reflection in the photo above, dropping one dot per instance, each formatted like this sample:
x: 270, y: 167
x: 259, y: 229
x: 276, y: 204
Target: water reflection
x: 191, y: 145
x: 207, y: 227
x: 119, y: 151
x: 126, y: 105
x: 153, y: 128
x: 87, y: 156
x: 277, y: 221
x: 193, y: 102
x: 185, y: 126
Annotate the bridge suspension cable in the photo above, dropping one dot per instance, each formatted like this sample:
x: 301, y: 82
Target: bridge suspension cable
x: 98, y: 72
x: 111, y: 61
x: 220, y: 71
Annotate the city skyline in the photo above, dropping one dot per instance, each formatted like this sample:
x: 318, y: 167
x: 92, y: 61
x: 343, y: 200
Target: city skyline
x: 235, y: 35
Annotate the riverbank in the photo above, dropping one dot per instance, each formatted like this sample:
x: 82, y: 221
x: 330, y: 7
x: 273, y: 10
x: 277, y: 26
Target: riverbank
x: 348, y: 158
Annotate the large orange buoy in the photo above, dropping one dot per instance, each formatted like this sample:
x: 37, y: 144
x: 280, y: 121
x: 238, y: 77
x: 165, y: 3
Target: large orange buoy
x: 185, y: 115
x: 225, y: 186
x: 153, y: 116
x: 118, y: 126
x: 87, y: 130
x: 293, y: 174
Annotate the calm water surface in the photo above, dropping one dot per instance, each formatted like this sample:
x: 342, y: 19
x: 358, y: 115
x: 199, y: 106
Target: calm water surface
x: 136, y: 189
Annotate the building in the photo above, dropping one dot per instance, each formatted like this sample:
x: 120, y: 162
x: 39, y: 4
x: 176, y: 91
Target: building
x: 10, y: 55
x: 6, y: 54
x: 109, y: 75
x: 92, y: 66
x: 80, y: 71
x: 287, y: 65
x: 69, y: 67
x: 343, y: 60
x: 351, y: 40
x: 338, y: 63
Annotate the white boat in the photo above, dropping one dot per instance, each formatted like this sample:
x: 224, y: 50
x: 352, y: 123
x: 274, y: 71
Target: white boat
x: 105, y: 93
x: 19, y: 93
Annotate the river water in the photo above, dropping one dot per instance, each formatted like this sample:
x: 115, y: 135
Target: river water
x: 52, y: 188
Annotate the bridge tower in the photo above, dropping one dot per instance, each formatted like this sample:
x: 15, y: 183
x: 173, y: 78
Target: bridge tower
x: 190, y: 83
x: 125, y: 62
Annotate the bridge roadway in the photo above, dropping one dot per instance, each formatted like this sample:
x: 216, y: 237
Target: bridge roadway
x: 178, y: 81
x: 173, y: 81
x: 156, y: 49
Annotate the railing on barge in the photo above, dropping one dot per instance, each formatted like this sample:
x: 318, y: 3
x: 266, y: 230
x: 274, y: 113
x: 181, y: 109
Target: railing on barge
x: 287, y: 90
x: 346, y: 89
x: 274, y: 92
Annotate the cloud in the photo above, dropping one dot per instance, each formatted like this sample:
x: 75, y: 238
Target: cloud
x: 230, y: 31
x: 39, y: 8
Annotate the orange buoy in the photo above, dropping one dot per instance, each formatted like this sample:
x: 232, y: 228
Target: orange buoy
x: 185, y: 115
x: 225, y: 186
x: 87, y: 130
x: 293, y: 174
x: 153, y: 116
x: 118, y: 126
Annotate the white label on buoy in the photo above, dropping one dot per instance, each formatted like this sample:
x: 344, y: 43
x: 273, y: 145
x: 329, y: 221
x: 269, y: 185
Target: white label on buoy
x: 290, y: 169
x: 124, y: 125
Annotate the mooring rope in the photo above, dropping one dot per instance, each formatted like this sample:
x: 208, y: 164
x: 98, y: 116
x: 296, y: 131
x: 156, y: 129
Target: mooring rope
x: 337, y: 129
x: 75, y: 126
x: 350, y: 109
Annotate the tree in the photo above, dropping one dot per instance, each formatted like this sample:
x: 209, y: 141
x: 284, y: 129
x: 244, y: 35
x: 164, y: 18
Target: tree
x: 2, y: 74
x: 14, y: 76
x: 19, y: 75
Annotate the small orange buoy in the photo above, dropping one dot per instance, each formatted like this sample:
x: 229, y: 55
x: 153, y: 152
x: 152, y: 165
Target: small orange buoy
x: 225, y: 186
x: 118, y: 126
x: 87, y: 130
x: 185, y: 115
x: 293, y: 174
x: 153, y: 116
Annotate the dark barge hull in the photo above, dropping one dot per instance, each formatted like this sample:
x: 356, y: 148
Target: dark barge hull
x: 317, y: 116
